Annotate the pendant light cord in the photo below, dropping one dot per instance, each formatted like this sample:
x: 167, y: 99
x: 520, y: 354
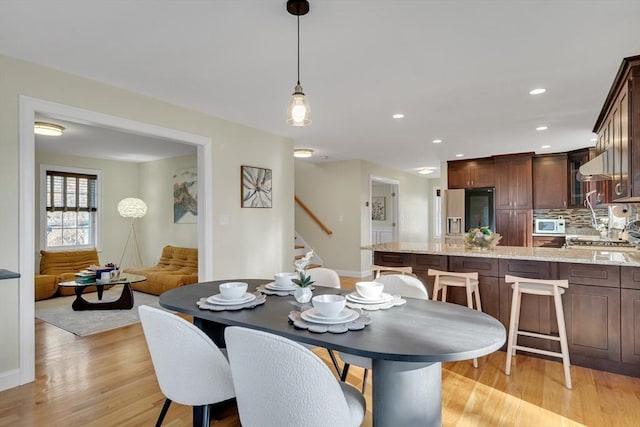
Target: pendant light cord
x: 298, y: 17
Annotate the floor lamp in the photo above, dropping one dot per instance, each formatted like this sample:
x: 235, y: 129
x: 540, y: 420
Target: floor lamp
x: 132, y: 208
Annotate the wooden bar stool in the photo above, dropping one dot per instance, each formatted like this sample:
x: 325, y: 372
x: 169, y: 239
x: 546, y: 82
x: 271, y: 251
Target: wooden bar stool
x: 469, y: 281
x: 378, y: 270
x: 552, y: 288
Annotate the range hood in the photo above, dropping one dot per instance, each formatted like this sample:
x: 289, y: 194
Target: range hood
x: 596, y: 169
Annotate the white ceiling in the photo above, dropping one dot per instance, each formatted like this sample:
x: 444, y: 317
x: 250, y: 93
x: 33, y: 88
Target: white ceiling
x: 459, y: 70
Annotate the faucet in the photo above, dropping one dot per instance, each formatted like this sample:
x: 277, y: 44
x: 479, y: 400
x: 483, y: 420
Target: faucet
x: 594, y: 218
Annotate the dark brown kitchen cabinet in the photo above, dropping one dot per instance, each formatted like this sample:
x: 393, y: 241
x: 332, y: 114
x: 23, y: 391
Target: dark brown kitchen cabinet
x: 421, y: 265
x: 513, y: 177
x: 592, y: 310
x: 550, y: 181
x: 577, y: 188
x: 548, y: 241
x: 475, y: 173
x: 488, y: 270
x: 630, y: 314
x: 619, y: 133
x: 515, y: 226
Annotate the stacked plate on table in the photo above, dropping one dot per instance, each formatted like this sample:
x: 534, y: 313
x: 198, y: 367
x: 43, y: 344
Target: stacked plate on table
x: 219, y: 299
x: 369, y: 293
x: 329, y: 310
x: 359, y: 299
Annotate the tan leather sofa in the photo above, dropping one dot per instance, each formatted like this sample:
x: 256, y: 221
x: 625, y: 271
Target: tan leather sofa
x: 61, y: 266
x: 177, y: 267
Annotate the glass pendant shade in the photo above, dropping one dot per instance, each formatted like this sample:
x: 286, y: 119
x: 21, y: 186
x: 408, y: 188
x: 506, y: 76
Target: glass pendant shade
x: 298, y: 112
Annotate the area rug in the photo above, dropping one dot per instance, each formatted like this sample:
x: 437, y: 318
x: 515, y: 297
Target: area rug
x: 58, y: 312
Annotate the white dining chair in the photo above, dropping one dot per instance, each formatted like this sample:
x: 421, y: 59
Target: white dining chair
x: 394, y: 284
x: 190, y: 368
x: 324, y: 277
x: 287, y: 385
x: 379, y: 270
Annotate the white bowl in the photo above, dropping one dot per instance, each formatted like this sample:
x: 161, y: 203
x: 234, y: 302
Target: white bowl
x: 233, y: 290
x: 369, y: 290
x: 328, y: 305
x: 284, y: 279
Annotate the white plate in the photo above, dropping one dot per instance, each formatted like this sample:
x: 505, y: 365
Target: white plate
x: 273, y: 287
x: 355, y: 297
x: 220, y: 300
x: 311, y: 315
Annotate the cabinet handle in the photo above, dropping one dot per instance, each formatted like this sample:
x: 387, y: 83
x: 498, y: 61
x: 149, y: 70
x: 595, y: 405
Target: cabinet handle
x: 618, y: 189
x: 564, y: 203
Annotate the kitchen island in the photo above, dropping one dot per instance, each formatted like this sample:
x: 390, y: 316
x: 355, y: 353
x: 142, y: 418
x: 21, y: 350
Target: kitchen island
x: 601, y: 306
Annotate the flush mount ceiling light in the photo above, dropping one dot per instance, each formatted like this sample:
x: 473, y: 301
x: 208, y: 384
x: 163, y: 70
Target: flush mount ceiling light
x: 48, y: 129
x: 546, y: 146
x: 398, y: 116
x: 537, y: 91
x: 302, y: 152
x: 298, y: 112
x: 542, y: 128
x: 425, y: 171
x: 437, y: 141
x: 460, y: 155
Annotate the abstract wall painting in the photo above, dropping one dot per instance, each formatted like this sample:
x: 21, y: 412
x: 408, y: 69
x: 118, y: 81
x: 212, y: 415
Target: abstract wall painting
x: 185, y: 196
x: 255, y: 187
x: 378, y: 209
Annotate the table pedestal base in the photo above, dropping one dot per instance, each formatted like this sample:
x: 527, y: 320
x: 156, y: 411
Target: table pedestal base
x: 407, y: 394
x: 124, y: 302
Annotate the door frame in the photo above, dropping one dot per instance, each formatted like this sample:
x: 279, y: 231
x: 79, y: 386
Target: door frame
x: 395, y: 206
x: 26, y: 140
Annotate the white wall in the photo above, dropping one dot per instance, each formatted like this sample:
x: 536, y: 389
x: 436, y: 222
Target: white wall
x: 338, y: 192
x: 255, y: 243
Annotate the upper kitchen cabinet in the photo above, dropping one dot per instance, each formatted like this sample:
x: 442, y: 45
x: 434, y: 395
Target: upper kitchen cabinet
x: 550, y: 181
x: 475, y: 173
x: 578, y: 189
x: 513, y: 181
x: 619, y: 134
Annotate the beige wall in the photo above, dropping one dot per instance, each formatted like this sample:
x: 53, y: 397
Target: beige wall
x: 337, y: 192
x: 157, y: 227
x: 255, y: 243
x: 119, y: 179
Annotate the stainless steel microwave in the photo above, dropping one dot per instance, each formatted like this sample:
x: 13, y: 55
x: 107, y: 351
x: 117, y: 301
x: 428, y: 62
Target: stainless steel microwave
x: 549, y: 226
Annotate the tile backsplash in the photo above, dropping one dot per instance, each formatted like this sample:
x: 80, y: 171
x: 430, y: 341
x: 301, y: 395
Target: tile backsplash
x: 579, y: 221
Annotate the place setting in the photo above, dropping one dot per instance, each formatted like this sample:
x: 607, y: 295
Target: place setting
x: 370, y: 296
x: 232, y: 296
x: 282, y: 285
x: 329, y: 314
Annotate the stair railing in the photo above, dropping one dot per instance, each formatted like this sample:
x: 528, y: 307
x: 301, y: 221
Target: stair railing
x: 313, y: 216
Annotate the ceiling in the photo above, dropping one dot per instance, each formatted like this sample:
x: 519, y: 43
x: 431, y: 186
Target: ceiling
x: 460, y: 71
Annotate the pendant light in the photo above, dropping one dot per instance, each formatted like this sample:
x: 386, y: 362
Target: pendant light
x: 298, y: 113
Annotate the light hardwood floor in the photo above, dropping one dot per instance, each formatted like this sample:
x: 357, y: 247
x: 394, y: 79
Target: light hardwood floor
x: 108, y: 380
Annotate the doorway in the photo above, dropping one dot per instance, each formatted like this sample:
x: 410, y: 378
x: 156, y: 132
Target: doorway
x: 29, y: 107
x: 384, y: 208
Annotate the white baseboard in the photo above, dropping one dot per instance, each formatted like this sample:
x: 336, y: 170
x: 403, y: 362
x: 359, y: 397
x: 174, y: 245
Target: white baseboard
x: 9, y: 379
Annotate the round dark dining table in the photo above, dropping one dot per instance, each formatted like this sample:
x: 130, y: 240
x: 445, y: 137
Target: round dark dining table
x: 406, y: 343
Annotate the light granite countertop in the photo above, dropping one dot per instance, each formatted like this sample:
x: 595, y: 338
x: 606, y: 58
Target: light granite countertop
x: 583, y: 256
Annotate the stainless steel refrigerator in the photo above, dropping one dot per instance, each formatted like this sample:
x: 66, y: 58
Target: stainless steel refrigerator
x: 469, y: 208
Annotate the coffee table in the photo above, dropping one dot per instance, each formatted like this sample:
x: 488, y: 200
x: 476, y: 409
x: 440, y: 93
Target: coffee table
x: 124, y: 302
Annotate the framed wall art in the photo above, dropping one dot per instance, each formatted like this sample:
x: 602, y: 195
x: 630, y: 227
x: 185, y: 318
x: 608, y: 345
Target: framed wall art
x: 378, y: 209
x: 185, y: 196
x: 255, y: 187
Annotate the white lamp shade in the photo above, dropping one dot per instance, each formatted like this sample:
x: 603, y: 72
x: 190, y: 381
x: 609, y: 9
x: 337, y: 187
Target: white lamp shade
x: 132, y: 208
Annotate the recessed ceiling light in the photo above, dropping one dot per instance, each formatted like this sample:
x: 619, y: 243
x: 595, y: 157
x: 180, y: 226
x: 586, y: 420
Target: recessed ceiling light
x: 437, y: 141
x: 542, y: 128
x: 460, y: 155
x: 302, y: 152
x: 48, y: 129
x: 398, y: 116
x: 425, y: 171
x: 546, y: 146
x: 537, y: 91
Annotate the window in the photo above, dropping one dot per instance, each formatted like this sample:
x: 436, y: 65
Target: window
x: 71, y: 209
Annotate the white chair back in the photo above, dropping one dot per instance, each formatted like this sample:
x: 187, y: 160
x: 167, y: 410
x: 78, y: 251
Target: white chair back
x: 190, y: 368
x: 403, y: 285
x: 280, y: 383
x: 378, y: 270
x: 324, y: 277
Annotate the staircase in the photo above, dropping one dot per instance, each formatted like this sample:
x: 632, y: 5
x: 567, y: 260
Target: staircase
x: 300, y: 248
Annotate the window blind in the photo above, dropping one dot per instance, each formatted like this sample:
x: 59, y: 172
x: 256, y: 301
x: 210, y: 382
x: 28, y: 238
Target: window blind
x: 71, y: 192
